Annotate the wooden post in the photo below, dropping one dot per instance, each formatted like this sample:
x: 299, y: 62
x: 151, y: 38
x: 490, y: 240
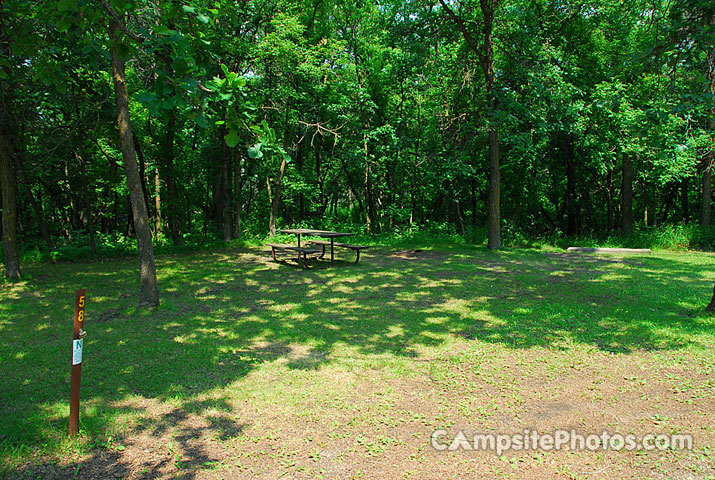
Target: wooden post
x: 77, y: 344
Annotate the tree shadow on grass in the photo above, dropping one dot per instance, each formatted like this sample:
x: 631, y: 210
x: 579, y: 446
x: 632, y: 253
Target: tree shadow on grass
x: 182, y: 457
x: 224, y: 314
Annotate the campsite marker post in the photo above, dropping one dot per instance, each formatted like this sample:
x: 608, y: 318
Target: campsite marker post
x: 77, y: 344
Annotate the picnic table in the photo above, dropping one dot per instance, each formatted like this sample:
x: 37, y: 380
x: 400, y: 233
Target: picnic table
x: 317, y: 233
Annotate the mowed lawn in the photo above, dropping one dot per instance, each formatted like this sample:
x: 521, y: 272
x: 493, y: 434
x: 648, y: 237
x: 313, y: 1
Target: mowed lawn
x: 261, y: 370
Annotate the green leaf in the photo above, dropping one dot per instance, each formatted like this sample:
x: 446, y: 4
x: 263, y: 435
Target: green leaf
x: 232, y: 138
x: 188, y: 9
x: 255, y: 151
x: 201, y: 121
x: 203, y: 18
x: 64, y: 5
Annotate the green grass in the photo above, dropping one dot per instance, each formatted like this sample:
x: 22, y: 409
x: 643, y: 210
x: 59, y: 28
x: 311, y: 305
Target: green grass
x: 235, y: 329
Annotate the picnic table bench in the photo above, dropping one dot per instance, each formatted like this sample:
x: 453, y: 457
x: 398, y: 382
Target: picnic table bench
x: 355, y: 248
x: 301, y: 250
x: 323, y: 243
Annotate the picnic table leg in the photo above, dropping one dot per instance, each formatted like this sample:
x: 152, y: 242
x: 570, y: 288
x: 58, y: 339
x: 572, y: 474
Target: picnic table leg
x: 357, y: 253
x: 273, y: 252
x: 323, y: 253
x: 332, y: 245
x: 305, y: 260
x: 299, y: 240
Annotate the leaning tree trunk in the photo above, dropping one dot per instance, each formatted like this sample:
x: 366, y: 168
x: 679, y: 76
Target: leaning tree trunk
x: 149, y: 288
x: 627, y: 196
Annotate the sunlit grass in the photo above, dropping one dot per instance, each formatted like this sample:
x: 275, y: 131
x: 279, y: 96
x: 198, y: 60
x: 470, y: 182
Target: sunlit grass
x: 234, y: 327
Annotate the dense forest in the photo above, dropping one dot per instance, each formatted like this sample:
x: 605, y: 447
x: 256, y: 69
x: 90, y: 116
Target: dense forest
x: 163, y: 121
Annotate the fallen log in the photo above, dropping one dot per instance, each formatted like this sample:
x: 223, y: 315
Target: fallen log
x: 646, y: 251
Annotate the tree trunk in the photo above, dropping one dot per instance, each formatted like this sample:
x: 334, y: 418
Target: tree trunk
x: 646, y: 203
x: 494, y: 208
x: 157, y: 202
x: 8, y: 186
x: 299, y: 166
x: 368, y: 192
x: 85, y: 183
x: 684, y: 200
x: 87, y: 201
x: 670, y: 199
x: 238, y: 190
x: 149, y: 287
x: 655, y: 196
x: 36, y: 207
x: 169, y: 179
x: 487, y: 61
x: 573, y: 211
x: 711, y: 306
x: 142, y: 169
x: 706, y: 206
x: 72, y: 218
x: 707, y: 197
x: 609, y: 201
x: 276, y: 197
x: 225, y: 200
x: 627, y: 196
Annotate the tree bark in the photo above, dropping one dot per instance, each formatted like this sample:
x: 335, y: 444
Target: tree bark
x: 487, y: 60
x: 225, y: 200
x: 169, y: 179
x: 573, y: 211
x: 706, y: 200
x: 36, y: 207
x: 72, y: 217
x: 684, y: 199
x: 238, y: 190
x: 627, y: 196
x: 646, y: 205
x: 149, y: 286
x: 142, y: 168
x: 494, y: 206
x: 87, y: 201
x: 368, y: 192
x: 8, y: 186
x: 85, y: 183
x: 609, y: 200
x: 276, y: 197
x: 707, y: 197
x: 157, y: 202
x: 711, y: 306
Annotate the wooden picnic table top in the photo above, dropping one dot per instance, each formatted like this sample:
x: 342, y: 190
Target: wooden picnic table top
x: 317, y: 233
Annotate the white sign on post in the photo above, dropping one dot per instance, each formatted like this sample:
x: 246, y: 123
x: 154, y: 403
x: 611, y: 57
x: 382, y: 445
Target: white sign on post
x: 77, y: 351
